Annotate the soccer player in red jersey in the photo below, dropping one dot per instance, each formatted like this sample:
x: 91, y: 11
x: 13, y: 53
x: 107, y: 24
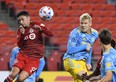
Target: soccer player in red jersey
x: 30, y: 42
x: 97, y: 70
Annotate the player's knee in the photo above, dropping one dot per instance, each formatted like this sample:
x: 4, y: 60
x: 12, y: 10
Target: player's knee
x: 13, y: 74
x: 21, y: 78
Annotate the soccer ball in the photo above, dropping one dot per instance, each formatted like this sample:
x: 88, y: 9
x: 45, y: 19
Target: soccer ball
x: 46, y: 13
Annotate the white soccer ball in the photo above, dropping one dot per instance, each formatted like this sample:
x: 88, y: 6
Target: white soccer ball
x: 46, y: 13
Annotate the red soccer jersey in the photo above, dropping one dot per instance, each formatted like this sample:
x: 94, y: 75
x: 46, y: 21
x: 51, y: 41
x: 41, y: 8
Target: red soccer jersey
x: 98, y: 63
x: 31, y: 42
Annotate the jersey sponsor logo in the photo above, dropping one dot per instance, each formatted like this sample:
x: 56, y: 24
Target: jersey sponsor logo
x: 33, y: 69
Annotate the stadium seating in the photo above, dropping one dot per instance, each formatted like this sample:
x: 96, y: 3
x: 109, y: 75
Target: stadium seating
x: 3, y: 64
x: 53, y: 62
x: 86, y: 7
x: 9, y: 2
x: 19, y: 5
x: 7, y: 42
x: 61, y: 13
x: 76, y: 7
x: 106, y: 20
x: 64, y: 6
x: 113, y: 19
x: 96, y: 20
x: 31, y: 6
x: 22, y: 1
x: 33, y: 1
x: 3, y: 26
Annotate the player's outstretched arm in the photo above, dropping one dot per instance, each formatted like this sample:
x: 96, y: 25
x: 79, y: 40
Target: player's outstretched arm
x: 14, y: 53
x: 40, y: 68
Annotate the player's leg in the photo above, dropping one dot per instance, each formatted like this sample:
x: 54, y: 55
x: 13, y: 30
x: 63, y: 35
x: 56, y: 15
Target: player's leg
x: 68, y: 67
x: 31, y: 78
x: 76, y: 68
x: 66, y: 64
x: 13, y: 74
x: 36, y: 74
x: 22, y: 76
x: 31, y: 65
x: 18, y: 63
x: 80, y: 70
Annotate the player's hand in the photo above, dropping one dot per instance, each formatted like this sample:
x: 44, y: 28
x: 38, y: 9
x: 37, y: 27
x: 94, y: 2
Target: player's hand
x: 93, y: 79
x: 89, y: 66
x: 38, y: 27
x: 82, y: 75
x: 88, y: 47
x: 22, y: 29
x: 37, y: 79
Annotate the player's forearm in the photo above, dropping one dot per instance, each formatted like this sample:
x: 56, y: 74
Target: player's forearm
x: 47, y: 32
x: 72, y: 49
x: 107, y: 77
x: 89, y: 57
x: 40, y: 67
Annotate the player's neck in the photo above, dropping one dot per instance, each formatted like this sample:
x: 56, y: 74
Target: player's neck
x: 89, y: 31
x: 107, y: 47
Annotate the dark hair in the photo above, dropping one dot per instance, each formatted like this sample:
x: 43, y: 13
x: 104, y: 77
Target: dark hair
x: 113, y: 43
x: 105, y: 36
x: 25, y: 13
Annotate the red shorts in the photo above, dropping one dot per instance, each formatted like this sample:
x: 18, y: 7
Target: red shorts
x: 26, y: 63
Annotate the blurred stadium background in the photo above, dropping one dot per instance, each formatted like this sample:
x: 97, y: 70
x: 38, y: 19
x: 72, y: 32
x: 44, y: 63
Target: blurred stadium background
x: 66, y: 18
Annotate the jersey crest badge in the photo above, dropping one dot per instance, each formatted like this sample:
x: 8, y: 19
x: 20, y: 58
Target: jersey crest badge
x: 31, y: 30
x: 108, y: 64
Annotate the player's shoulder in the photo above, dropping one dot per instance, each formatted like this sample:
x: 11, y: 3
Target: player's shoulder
x: 75, y: 30
x: 94, y: 31
x: 107, y: 56
x: 37, y: 23
x: 15, y: 48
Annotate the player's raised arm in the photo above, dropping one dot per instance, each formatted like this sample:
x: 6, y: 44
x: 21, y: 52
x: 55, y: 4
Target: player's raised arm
x: 43, y: 29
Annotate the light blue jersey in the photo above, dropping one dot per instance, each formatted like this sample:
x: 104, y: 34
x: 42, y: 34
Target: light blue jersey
x: 108, y: 63
x: 77, y: 44
x: 35, y: 74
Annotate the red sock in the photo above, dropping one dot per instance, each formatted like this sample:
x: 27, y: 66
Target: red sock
x: 8, y: 79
